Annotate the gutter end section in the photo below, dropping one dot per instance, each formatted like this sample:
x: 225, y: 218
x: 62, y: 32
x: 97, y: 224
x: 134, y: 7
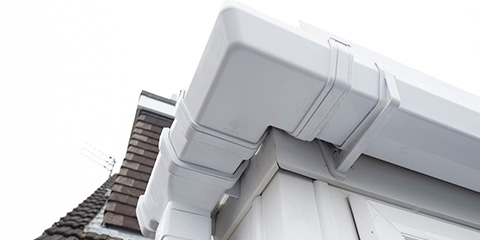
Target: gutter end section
x: 181, y: 195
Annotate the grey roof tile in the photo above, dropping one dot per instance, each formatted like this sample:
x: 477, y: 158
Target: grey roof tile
x: 123, y: 198
x: 71, y: 226
x: 121, y: 208
x: 119, y: 220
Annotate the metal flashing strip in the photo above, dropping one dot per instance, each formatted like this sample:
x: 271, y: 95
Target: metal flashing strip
x: 340, y: 161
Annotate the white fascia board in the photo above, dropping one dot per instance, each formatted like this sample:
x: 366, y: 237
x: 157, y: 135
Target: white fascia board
x: 156, y: 106
x: 369, y: 177
x: 383, y: 181
x: 407, y: 74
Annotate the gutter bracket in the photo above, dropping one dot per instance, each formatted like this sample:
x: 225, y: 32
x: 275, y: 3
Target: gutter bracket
x: 339, y: 161
x: 234, y: 191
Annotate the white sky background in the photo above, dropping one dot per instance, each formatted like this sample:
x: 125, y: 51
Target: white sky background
x: 71, y: 73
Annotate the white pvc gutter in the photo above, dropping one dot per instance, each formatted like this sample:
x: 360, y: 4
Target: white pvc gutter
x: 257, y: 73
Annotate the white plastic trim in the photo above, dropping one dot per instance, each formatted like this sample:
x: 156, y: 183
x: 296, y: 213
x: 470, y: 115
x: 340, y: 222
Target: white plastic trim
x: 338, y: 84
x: 156, y: 106
x: 177, y: 216
x: 252, y: 225
x: 369, y: 177
x: 325, y: 211
x: 370, y: 224
x: 187, y: 187
x: 340, y: 161
x: 202, y: 146
x: 257, y: 74
x: 381, y: 221
x: 263, y: 167
x: 381, y: 180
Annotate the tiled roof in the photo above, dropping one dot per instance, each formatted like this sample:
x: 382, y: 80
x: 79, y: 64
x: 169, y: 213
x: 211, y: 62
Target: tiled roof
x: 122, y: 190
x: 72, y: 225
x: 135, y: 171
